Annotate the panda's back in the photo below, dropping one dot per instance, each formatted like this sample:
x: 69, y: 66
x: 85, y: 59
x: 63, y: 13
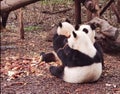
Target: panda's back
x: 82, y: 74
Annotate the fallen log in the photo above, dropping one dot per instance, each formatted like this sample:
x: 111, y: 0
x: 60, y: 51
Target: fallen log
x: 10, y: 5
x: 108, y: 36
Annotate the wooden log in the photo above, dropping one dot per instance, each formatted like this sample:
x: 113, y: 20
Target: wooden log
x: 10, y: 5
x: 110, y: 46
x: 108, y: 37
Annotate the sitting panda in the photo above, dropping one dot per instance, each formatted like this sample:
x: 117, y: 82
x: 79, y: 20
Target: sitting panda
x: 59, y: 40
x: 81, y: 62
x: 89, y: 29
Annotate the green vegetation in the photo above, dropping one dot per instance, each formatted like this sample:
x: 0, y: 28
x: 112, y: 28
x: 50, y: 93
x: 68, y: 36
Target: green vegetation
x: 32, y: 28
x: 46, y: 2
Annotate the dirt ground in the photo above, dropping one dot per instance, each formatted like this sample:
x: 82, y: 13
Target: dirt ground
x: 22, y: 71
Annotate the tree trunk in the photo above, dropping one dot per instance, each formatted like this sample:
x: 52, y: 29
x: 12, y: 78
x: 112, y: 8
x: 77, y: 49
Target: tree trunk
x: 21, y: 26
x: 10, y: 5
x: 78, y: 11
x: 4, y: 18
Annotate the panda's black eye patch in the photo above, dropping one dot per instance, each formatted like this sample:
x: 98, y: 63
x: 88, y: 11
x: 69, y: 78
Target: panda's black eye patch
x: 85, y: 30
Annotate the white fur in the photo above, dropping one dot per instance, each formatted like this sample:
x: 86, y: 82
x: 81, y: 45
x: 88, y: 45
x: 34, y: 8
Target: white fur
x: 82, y: 43
x: 91, y: 33
x: 82, y: 74
x: 66, y: 29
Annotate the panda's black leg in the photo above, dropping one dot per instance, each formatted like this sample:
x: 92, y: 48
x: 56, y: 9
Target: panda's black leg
x: 49, y: 57
x: 57, y: 71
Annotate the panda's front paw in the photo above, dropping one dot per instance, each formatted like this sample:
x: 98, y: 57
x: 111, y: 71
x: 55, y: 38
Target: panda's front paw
x: 42, y: 54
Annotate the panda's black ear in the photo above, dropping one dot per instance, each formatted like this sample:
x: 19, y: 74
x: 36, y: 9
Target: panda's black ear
x: 74, y: 34
x: 67, y: 20
x: 77, y: 26
x: 60, y: 24
x: 93, y: 25
x: 85, y: 30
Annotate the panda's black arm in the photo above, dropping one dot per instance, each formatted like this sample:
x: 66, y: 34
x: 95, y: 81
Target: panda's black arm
x: 59, y: 41
x: 68, y: 56
x: 100, y: 51
x: 62, y: 56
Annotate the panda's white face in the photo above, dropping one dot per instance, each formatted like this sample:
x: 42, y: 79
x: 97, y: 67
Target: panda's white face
x: 65, y: 29
x: 81, y: 42
x: 88, y: 30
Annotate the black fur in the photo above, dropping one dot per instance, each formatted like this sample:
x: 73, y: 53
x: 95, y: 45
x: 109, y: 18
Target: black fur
x: 77, y: 27
x: 75, y: 58
x: 100, y: 51
x: 59, y: 41
x: 74, y: 34
x: 94, y: 25
x: 85, y: 30
x: 57, y: 71
x: 70, y: 57
x: 67, y: 20
x: 49, y: 57
x: 60, y: 25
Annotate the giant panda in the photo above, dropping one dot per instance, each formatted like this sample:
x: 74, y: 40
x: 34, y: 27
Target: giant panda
x: 81, y: 61
x: 89, y: 29
x: 64, y: 30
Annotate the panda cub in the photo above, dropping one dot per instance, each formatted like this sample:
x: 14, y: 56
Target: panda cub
x: 89, y: 29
